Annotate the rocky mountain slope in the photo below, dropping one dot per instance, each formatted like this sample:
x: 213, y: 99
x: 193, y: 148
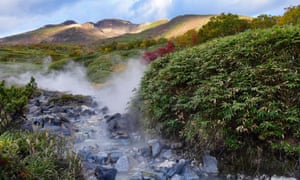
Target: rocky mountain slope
x: 73, y: 32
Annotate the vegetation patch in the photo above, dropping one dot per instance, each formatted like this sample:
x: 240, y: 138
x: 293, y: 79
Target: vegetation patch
x: 69, y: 99
x: 12, y: 104
x: 234, y: 94
x: 26, y: 155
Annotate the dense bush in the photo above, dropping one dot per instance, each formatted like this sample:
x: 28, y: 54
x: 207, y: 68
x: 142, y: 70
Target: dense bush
x: 263, y: 21
x: 291, y: 16
x: 12, y: 103
x: 234, y: 93
x: 222, y: 25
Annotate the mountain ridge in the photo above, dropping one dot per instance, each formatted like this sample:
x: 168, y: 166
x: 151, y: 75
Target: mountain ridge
x: 70, y: 31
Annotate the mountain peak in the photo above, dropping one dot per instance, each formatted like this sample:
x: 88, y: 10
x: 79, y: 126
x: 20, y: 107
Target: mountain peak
x: 113, y: 22
x: 65, y: 23
x: 69, y: 22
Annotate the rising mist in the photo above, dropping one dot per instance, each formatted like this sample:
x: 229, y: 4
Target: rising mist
x: 115, y: 94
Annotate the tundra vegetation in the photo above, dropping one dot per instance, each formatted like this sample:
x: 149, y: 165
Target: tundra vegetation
x: 235, y: 96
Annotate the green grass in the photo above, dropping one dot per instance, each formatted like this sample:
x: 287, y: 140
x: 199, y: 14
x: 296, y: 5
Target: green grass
x: 36, y: 156
x: 154, y: 24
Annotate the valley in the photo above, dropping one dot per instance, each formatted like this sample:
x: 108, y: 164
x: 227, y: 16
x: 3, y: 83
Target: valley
x: 194, y: 97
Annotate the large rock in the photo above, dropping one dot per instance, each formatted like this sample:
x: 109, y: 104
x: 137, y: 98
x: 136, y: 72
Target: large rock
x: 102, y: 158
x: 123, y: 164
x: 177, y: 168
x: 189, y: 174
x: 118, y: 125
x: 156, y: 147
x: 210, y: 165
x: 103, y: 173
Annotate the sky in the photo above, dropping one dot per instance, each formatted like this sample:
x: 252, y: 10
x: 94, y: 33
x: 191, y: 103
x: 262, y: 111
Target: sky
x: 18, y: 16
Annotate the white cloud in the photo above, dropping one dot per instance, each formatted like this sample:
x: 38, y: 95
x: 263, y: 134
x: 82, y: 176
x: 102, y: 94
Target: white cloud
x: 93, y: 10
x: 145, y: 10
x: 14, y: 24
x: 250, y: 8
x: 18, y: 7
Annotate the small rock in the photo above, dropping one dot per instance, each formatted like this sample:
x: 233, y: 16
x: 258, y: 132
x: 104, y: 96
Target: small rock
x: 176, y: 145
x: 104, y: 110
x: 84, y: 154
x: 177, y: 177
x: 282, y: 178
x: 114, y: 156
x: 87, y: 111
x: 166, y: 154
x: 119, y: 135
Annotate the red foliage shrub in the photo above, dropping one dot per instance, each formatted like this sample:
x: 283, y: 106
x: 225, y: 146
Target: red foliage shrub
x: 149, y: 56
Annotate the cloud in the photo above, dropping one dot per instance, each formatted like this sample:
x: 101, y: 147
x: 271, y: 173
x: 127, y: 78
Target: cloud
x: 18, y: 16
x: 137, y: 11
x: 30, y: 7
x: 92, y: 10
x: 250, y: 8
x: 145, y: 10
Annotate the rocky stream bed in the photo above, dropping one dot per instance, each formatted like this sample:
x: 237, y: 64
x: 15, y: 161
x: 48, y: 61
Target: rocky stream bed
x: 112, y: 146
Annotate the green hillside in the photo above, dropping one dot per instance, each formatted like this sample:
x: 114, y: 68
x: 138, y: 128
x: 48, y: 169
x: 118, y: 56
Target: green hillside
x: 235, y: 97
x: 177, y: 26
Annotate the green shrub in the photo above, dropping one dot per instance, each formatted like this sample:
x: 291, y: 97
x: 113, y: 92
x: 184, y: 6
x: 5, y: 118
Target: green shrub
x: 235, y: 92
x: 59, y: 65
x: 99, y: 69
x: 12, y: 103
